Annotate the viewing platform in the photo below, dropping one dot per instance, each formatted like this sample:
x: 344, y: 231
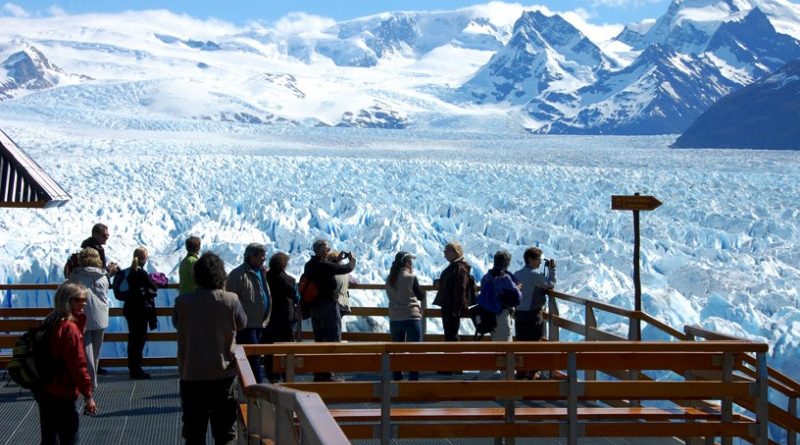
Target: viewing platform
x: 604, y: 390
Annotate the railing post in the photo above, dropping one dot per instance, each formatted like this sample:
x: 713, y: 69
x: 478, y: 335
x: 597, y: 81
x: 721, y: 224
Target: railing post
x: 762, y: 402
x: 386, y: 399
x: 590, y: 323
x: 572, y: 399
x: 727, y: 402
x: 635, y: 328
x: 552, y: 310
x: 290, y: 367
x: 510, y: 402
x: 424, y: 309
x: 791, y: 436
x: 284, y: 408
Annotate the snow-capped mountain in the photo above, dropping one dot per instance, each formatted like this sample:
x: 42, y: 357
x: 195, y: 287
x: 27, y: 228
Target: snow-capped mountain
x: 526, y: 68
x: 25, y: 69
x: 544, y: 62
x: 763, y: 115
x: 698, y: 52
x: 660, y: 93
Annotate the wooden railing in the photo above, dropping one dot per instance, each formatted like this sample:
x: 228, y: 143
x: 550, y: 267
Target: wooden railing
x: 778, y: 383
x: 272, y: 412
x: 14, y: 321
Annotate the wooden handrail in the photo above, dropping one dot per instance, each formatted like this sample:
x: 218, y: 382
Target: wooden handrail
x: 317, y: 426
x: 505, y: 347
x: 776, y: 381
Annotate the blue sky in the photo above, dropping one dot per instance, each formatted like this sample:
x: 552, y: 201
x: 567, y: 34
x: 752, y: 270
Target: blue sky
x: 599, y: 11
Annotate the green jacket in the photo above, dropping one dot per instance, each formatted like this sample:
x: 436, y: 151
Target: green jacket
x: 186, y: 274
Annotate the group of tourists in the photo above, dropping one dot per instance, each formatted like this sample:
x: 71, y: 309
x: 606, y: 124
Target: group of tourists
x: 254, y: 304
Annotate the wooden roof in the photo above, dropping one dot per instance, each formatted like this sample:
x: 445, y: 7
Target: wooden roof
x: 23, y: 183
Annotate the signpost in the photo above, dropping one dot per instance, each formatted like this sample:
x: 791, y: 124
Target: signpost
x: 635, y: 203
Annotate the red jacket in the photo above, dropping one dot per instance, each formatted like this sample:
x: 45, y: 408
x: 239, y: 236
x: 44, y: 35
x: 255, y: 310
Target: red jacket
x: 71, y: 376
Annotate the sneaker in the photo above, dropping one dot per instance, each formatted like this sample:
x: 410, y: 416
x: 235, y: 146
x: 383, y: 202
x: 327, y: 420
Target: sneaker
x: 139, y: 375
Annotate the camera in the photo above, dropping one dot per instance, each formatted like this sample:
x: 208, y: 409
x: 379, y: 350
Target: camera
x: 548, y: 263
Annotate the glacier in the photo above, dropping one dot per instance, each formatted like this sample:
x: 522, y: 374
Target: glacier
x: 721, y: 252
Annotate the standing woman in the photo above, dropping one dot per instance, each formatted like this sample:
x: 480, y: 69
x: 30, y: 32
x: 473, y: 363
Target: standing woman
x: 282, y: 318
x: 404, y: 293
x: 139, y: 309
x: 453, y: 286
x: 90, y: 273
x: 57, y: 415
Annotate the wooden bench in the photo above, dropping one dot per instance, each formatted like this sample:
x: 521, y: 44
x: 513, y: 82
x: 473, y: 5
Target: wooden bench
x: 494, y: 408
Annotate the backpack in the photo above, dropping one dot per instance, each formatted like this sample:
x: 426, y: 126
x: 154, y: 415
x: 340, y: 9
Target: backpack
x: 122, y: 291
x: 484, y: 320
x: 71, y: 265
x: 308, y: 289
x: 31, y: 365
x: 308, y: 295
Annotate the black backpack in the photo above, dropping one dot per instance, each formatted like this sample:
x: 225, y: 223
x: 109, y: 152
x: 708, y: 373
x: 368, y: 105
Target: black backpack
x: 32, y: 365
x: 484, y: 320
x: 122, y: 290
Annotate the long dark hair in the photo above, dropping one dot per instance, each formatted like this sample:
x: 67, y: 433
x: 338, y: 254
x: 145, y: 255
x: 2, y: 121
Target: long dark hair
x: 397, y: 266
x: 394, y: 271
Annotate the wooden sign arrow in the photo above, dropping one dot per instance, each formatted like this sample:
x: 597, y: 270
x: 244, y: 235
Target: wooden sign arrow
x: 634, y: 202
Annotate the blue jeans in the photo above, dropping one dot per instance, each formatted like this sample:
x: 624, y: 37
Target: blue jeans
x: 252, y: 336
x: 406, y: 331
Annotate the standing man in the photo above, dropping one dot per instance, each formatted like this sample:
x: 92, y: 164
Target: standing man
x: 99, y: 237
x: 186, y: 269
x: 249, y: 283
x: 326, y: 315
x: 528, y: 317
x: 207, y: 320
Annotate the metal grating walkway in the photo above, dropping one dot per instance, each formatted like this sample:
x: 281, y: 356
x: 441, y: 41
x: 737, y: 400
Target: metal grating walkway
x: 131, y: 412
x: 140, y: 412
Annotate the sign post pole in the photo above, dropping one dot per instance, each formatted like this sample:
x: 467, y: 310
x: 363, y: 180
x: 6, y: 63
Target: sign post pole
x: 635, y: 203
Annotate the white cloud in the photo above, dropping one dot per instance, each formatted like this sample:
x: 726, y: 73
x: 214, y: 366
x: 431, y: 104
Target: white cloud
x: 579, y: 18
x: 301, y: 22
x: 13, y: 10
x: 623, y: 3
x: 56, y: 11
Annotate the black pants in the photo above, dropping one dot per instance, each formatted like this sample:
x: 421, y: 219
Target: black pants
x: 58, y: 420
x: 274, y: 333
x: 529, y: 325
x: 137, y: 336
x: 204, y: 401
x: 450, y: 325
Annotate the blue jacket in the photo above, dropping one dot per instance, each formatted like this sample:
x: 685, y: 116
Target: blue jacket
x: 499, y: 292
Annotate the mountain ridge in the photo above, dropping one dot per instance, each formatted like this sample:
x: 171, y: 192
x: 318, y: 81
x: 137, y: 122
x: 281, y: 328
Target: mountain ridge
x: 386, y: 71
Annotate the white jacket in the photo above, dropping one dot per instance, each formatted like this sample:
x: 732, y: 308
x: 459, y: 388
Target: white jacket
x: 95, y: 279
